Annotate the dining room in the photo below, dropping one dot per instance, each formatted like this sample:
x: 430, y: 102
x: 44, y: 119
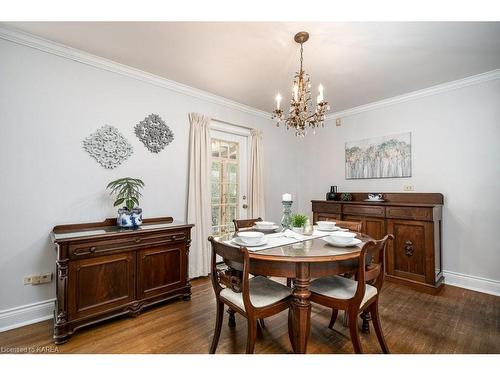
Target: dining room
x: 269, y: 189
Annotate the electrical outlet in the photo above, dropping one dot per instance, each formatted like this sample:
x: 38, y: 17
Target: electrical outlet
x: 408, y: 188
x: 38, y: 279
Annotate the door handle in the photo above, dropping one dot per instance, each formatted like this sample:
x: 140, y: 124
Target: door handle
x: 245, y: 206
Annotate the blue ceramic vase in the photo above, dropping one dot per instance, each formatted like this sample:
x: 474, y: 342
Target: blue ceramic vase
x: 129, y: 219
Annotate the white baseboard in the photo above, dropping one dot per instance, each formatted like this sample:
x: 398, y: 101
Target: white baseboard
x: 479, y: 284
x: 26, y: 314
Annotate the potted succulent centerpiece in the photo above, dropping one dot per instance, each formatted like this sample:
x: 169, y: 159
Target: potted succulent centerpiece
x: 298, y: 222
x: 127, y: 192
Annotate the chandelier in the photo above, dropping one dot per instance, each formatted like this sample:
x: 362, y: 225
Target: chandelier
x: 301, y: 115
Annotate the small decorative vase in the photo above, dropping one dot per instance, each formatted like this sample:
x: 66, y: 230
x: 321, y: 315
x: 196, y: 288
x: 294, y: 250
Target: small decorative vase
x: 299, y: 230
x: 129, y: 218
x: 346, y: 197
x: 332, y: 194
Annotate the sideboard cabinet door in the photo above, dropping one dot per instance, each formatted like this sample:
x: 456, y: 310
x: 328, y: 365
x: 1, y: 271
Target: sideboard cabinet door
x: 161, y: 269
x: 410, y: 254
x: 100, y: 283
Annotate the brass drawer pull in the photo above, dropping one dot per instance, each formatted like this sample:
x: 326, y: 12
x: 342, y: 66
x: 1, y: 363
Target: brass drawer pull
x: 93, y: 249
x: 137, y: 240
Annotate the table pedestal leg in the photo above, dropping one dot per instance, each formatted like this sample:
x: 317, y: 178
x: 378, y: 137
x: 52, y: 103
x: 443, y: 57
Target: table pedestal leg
x: 299, y: 318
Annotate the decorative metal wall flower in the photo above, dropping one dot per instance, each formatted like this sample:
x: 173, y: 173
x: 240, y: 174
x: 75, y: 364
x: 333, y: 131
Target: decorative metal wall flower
x: 154, y: 133
x: 108, y: 146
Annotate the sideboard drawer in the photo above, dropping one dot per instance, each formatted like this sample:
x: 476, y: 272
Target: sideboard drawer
x: 331, y: 208
x: 412, y: 213
x: 98, y: 247
x: 373, y: 211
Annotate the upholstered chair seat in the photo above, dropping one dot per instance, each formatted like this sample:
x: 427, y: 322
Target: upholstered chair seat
x: 263, y: 292
x: 340, y: 288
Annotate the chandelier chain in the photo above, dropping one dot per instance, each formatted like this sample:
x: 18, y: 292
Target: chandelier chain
x: 301, y: 55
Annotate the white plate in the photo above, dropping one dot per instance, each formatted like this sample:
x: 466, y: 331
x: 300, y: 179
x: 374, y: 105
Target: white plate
x: 355, y: 241
x: 239, y: 242
x: 272, y: 229
x: 330, y: 230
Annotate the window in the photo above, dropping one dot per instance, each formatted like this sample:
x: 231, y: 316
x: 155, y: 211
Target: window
x: 225, y: 185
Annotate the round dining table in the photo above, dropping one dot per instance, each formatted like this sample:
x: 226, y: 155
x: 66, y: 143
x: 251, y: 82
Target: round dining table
x: 301, y: 261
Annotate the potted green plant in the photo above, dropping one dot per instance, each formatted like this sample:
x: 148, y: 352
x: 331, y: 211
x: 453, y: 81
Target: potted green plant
x: 127, y: 192
x: 298, y: 222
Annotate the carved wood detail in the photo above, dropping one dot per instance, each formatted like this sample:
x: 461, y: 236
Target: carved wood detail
x: 408, y: 248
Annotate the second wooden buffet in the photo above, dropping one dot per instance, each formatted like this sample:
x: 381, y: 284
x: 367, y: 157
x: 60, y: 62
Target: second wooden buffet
x: 414, y: 257
x: 104, y: 271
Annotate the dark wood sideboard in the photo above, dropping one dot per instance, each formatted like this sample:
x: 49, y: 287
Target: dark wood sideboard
x: 414, y: 258
x: 104, y: 271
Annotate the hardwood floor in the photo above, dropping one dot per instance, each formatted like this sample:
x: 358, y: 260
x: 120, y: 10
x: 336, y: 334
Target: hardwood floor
x: 455, y: 321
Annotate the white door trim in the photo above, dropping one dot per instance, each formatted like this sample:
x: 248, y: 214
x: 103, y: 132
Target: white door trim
x: 229, y: 128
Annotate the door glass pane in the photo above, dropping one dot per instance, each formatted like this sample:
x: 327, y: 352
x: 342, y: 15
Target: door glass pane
x: 233, y: 151
x: 215, y: 148
x: 224, y: 150
x: 225, y: 185
x: 232, y: 173
x: 215, y: 175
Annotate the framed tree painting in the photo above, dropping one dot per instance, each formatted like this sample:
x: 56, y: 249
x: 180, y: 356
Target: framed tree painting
x: 380, y: 157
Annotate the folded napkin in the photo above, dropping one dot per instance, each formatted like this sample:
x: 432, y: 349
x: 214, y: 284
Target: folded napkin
x: 291, y: 234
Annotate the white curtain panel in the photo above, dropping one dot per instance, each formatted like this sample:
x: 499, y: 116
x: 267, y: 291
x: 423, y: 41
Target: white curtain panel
x: 256, y: 177
x: 198, y: 210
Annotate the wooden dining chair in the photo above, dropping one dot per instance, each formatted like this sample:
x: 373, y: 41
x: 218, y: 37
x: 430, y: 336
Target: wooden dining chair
x: 244, y: 223
x: 254, y: 298
x: 353, y: 296
x: 354, y: 226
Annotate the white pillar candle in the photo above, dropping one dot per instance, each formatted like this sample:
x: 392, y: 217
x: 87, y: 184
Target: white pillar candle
x: 286, y: 197
x: 278, y: 101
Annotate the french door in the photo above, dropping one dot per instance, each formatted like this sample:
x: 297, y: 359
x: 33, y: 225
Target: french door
x: 229, y: 175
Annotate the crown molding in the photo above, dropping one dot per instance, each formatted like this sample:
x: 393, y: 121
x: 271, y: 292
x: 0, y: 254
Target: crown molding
x: 74, y: 54
x: 433, y: 90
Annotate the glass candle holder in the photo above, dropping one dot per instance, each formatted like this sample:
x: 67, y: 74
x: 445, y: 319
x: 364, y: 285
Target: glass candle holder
x: 287, y: 211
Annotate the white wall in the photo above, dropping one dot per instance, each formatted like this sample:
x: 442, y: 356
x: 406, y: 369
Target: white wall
x: 48, y: 105
x: 455, y: 151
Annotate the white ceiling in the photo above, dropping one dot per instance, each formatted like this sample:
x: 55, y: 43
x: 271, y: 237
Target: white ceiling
x: 358, y: 63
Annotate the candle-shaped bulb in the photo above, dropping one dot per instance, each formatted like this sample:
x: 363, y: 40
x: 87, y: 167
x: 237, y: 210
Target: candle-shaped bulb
x: 320, y: 96
x: 278, y: 101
